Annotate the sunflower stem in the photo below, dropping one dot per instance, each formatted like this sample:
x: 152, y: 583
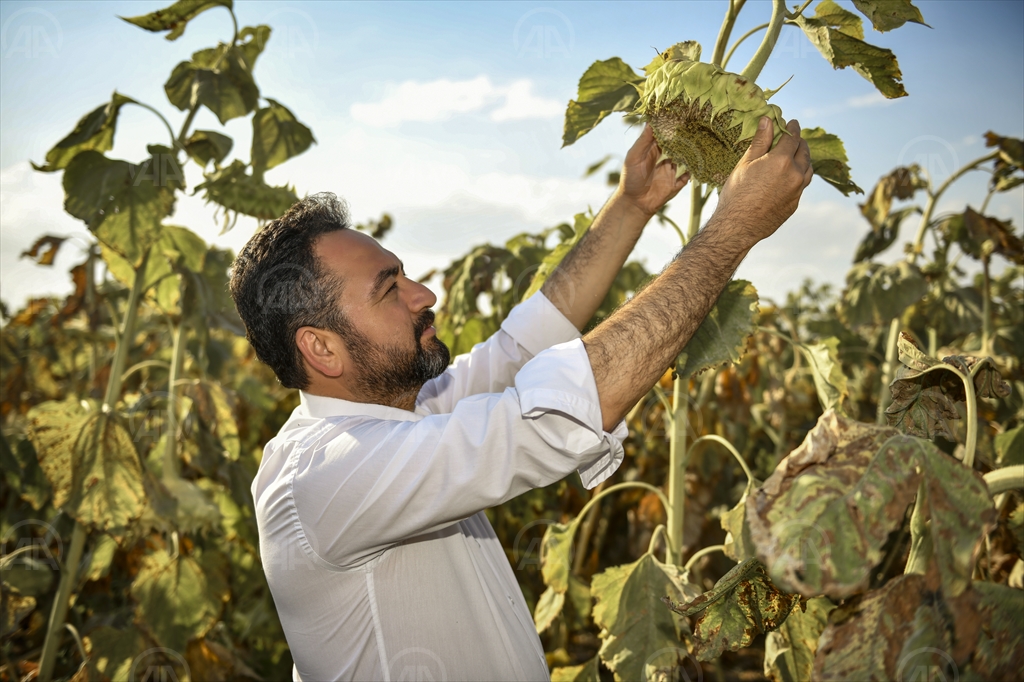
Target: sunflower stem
x: 760, y: 57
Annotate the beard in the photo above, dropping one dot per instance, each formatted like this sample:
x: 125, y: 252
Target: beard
x: 394, y: 375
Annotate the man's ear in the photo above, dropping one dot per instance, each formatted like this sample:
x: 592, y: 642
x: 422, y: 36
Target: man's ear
x: 323, y: 351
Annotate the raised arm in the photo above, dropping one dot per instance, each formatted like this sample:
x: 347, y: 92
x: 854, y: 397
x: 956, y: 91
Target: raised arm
x: 579, y: 284
x: 632, y: 348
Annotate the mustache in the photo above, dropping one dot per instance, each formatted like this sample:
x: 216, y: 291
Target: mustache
x: 425, y: 319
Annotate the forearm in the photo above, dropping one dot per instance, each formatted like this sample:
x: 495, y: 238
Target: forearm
x: 581, y: 281
x: 631, y: 349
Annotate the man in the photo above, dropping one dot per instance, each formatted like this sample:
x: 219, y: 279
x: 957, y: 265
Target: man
x: 370, y: 499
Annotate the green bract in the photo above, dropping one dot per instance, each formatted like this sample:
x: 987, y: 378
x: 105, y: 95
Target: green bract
x: 703, y: 117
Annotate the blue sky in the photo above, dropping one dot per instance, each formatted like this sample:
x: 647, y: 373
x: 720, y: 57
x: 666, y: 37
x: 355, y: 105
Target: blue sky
x: 449, y: 115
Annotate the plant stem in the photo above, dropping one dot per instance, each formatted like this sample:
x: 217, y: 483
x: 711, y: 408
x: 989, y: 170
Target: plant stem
x: 921, y: 543
x: 171, y: 446
x: 696, y: 209
x: 728, y: 56
x: 984, y: 204
x: 933, y: 341
x: 1007, y: 478
x: 617, y: 487
x: 702, y: 553
x: 174, y: 141
x: 728, y: 446
x: 59, y: 612
x: 127, y: 334
x: 659, y: 531
x: 589, y: 524
x: 760, y: 58
x: 986, y: 308
x: 677, y: 466
x: 723, y: 33
x: 888, y: 370
x: 933, y: 198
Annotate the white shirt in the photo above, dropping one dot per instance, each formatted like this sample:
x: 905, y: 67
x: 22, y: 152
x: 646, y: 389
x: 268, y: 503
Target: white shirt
x: 380, y: 559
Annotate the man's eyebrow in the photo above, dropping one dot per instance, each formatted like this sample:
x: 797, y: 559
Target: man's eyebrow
x: 383, y: 276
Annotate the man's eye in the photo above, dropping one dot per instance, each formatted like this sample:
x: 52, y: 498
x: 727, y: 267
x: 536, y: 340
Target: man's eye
x: 394, y: 287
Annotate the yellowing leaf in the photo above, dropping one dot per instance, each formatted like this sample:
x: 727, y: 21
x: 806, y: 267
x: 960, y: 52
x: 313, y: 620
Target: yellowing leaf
x: 828, y: 160
x: 832, y: 14
x: 94, y: 131
x: 885, y: 15
x: 556, y: 555
x: 605, y: 87
x: 44, y: 250
x: 588, y: 672
x: 633, y: 619
x: 176, y: 17
x: 722, y: 336
x: 789, y: 651
x: 741, y: 606
x: 113, y: 652
x: 581, y: 223
x: 738, y: 546
x: 548, y: 607
x: 901, y: 183
x: 829, y: 380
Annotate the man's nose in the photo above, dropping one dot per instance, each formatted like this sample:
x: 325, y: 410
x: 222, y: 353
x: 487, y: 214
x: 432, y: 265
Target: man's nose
x: 420, y: 296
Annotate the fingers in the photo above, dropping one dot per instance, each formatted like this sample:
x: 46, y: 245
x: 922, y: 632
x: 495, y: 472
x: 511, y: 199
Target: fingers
x: 790, y: 144
x: 762, y: 141
x: 642, y: 146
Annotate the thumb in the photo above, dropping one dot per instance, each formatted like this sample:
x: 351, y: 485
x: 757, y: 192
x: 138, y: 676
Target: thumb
x: 762, y: 141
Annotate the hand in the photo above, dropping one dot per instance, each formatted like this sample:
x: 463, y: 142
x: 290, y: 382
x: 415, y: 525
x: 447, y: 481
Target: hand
x: 645, y: 183
x: 765, y: 187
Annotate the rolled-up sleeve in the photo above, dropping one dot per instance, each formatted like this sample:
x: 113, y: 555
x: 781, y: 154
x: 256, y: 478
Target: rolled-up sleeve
x: 366, y: 484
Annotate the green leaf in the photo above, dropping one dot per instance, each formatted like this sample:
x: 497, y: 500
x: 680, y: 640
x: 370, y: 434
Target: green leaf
x: 101, y: 557
x: 688, y: 50
x: 556, y: 555
x: 235, y: 190
x: 118, y: 201
x: 877, y: 241
x: 178, y: 250
x: 91, y: 463
x: 581, y: 224
x: 587, y: 672
x: 789, y: 651
x: 113, y: 652
x: 831, y: 14
x: 208, y: 145
x: 722, y: 336
x: 216, y: 412
x: 875, y: 294
x: 276, y: 137
x: 828, y: 160
x: 548, y: 607
x: 176, y: 17
x: 195, y: 511
x: 829, y: 380
x: 94, y: 131
x: 632, y: 617
x: 821, y: 519
x: 741, y: 606
x: 1009, y: 446
x: 737, y: 545
x: 885, y: 15
x: 876, y: 64
x: 605, y: 87
x: 179, y: 599
x: 220, y: 78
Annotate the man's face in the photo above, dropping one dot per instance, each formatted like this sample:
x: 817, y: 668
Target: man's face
x: 392, y: 343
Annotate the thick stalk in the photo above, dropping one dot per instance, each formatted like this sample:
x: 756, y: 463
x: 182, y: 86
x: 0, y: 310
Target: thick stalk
x: 888, y: 370
x: 171, y: 448
x: 739, y: 41
x: 677, y: 467
x: 587, y: 532
x: 1007, y: 478
x: 723, y: 34
x: 986, y: 308
x: 702, y: 553
x: 933, y: 199
x: 59, y: 612
x: 127, y: 333
x: 696, y: 209
x: 771, y: 36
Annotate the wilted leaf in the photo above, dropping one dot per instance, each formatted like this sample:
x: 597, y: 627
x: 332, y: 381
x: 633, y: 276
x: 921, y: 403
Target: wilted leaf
x: 832, y: 14
x: 821, y: 519
x: 176, y: 17
x: 118, y: 201
x: 688, y: 49
x: 94, y: 131
x: 113, y: 652
x: 876, y: 64
x: 581, y: 224
x: 276, y: 137
x: 556, y: 555
x: 588, y: 672
x: 877, y: 241
x: 983, y: 235
x: 1009, y: 164
x: 875, y: 294
x: 827, y: 370
x: 16, y: 608
x: 1009, y: 446
x: 885, y: 15
x: 901, y: 184
x: 179, y: 599
x: 596, y: 166
x: 741, y: 606
x: 605, y: 87
x: 548, y: 607
x: 828, y: 160
x: 738, y: 546
x: 235, y: 190
x: 632, y: 617
x: 91, y: 463
x: 208, y: 145
x: 45, y: 249
x: 101, y: 557
x: 216, y: 412
x: 789, y: 651
x: 722, y: 336
x: 999, y: 652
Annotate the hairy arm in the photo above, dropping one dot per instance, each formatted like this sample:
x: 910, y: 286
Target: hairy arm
x: 632, y: 348
x: 581, y: 281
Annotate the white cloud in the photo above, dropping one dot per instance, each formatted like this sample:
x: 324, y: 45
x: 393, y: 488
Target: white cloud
x: 441, y: 99
x: 872, y: 99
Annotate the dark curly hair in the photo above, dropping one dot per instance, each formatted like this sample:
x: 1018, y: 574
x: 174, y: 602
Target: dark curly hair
x: 279, y: 285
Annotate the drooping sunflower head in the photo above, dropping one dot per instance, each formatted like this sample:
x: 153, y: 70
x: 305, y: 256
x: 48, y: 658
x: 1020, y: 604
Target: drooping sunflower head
x: 702, y: 117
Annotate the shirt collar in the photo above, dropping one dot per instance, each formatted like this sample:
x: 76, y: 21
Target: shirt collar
x: 320, y: 407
